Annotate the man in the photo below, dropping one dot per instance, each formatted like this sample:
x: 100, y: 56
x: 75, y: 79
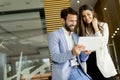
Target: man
x: 66, y: 54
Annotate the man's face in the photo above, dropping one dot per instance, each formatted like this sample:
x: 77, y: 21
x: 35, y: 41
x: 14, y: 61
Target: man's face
x: 71, y: 22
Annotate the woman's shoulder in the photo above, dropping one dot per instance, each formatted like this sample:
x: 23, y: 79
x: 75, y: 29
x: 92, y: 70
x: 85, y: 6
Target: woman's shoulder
x: 102, y: 23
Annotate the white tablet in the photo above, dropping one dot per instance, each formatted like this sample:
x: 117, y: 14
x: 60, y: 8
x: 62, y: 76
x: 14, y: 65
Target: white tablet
x: 91, y: 43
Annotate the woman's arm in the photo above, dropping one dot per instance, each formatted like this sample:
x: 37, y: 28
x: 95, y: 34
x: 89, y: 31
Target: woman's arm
x: 105, y: 33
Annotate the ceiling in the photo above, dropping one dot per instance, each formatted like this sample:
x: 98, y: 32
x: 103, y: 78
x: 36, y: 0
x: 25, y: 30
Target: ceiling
x: 75, y: 4
x: 23, y: 29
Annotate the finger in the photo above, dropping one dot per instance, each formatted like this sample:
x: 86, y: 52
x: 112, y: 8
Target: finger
x: 80, y: 46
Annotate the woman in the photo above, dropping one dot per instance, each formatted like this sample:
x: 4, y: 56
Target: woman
x: 99, y: 65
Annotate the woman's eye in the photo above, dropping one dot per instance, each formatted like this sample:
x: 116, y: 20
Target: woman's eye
x: 88, y: 14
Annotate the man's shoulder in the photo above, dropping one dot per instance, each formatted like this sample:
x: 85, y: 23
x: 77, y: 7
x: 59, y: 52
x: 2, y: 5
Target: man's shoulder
x: 55, y: 32
x: 74, y: 34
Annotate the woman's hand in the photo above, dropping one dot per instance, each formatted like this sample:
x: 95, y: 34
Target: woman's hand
x: 95, y: 24
x: 87, y: 52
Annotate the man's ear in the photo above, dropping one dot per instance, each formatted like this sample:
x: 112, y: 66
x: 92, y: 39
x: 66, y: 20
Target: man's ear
x: 62, y: 20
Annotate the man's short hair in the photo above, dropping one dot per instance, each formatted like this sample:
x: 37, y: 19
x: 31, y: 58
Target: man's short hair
x: 66, y: 11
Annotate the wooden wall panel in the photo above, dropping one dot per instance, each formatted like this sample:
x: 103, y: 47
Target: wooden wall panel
x: 52, y: 13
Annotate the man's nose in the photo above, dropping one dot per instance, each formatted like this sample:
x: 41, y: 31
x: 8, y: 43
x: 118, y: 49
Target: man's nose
x: 74, y: 23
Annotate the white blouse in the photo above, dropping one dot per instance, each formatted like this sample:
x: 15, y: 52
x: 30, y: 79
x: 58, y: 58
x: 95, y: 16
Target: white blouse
x: 104, y: 60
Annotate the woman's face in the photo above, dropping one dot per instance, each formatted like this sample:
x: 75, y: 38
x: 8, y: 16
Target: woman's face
x: 87, y: 16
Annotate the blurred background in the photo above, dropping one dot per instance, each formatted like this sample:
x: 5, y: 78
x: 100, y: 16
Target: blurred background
x: 25, y: 25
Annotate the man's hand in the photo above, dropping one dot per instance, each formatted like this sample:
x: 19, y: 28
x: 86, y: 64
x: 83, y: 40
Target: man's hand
x: 77, y: 49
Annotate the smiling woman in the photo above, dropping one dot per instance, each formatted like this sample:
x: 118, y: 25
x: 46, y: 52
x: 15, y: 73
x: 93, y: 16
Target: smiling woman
x: 100, y: 59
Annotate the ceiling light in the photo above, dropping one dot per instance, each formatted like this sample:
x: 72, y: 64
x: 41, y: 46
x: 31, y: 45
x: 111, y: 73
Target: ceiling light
x: 115, y: 31
x: 78, y: 1
x: 118, y: 28
x: 105, y: 8
x: 114, y: 34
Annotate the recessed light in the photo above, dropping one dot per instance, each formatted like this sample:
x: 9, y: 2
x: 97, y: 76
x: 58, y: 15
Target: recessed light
x: 78, y: 1
x: 114, y: 34
x: 118, y: 28
x: 115, y: 31
x: 105, y: 8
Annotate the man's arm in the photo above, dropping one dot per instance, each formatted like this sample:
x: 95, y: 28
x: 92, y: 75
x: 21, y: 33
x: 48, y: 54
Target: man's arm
x: 83, y: 56
x: 54, y: 47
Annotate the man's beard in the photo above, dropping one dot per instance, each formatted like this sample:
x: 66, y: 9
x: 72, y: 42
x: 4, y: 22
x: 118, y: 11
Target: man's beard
x: 68, y: 28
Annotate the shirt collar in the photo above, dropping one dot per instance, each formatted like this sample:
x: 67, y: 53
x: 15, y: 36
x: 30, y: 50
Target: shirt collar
x: 66, y: 32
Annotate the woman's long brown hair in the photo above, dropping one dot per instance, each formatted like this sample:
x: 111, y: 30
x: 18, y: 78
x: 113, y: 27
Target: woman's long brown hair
x: 81, y: 29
